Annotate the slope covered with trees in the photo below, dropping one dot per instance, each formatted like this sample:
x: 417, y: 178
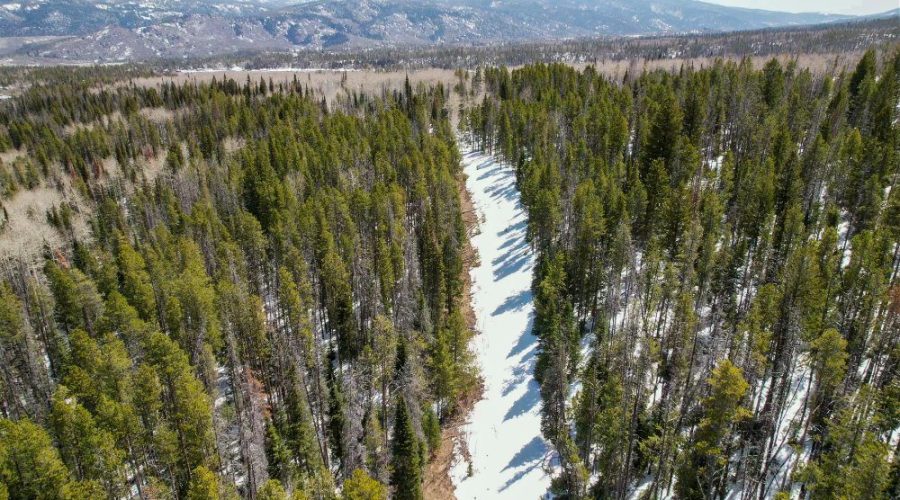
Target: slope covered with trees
x: 716, y: 292
x: 268, y: 304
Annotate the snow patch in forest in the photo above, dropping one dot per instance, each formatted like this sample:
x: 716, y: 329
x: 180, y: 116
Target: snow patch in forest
x: 786, y: 455
x: 509, y: 457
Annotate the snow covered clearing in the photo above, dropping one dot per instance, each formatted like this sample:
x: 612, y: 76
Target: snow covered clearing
x: 509, y: 457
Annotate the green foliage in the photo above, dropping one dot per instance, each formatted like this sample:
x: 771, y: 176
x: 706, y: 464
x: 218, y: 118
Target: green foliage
x: 431, y: 427
x: 406, y: 462
x: 135, y: 282
x: 78, y: 304
x: 271, y: 490
x: 853, y: 462
x: 685, y: 217
x: 30, y: 466
x: 251, y: 264
x: 700, y: 474
x: 361, y: 486
x: 89, y: 451
x: 204, y: 485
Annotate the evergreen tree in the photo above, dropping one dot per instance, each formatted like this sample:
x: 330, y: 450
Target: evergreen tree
x: 271, y: 490
x: 204, y: 485
x: 360, y: 486
x: 88, y: 451
x: 30, y: 466
x: 406, y: 465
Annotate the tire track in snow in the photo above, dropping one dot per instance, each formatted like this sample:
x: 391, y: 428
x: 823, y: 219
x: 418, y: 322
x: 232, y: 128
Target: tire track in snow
x: 509, y: 455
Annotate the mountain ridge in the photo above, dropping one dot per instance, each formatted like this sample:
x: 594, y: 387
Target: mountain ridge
x: 114, y: 30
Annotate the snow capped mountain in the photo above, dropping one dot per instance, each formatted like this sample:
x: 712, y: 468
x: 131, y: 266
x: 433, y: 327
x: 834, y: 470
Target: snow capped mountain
x: 112, y: 30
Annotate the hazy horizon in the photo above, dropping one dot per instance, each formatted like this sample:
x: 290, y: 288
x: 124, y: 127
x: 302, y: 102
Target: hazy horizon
x: 855, y: 7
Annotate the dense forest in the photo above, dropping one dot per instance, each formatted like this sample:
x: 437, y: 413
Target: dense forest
x: 830, y: 40
x: 717, y: 293
x: 265, y: 301
x: 252, y: 292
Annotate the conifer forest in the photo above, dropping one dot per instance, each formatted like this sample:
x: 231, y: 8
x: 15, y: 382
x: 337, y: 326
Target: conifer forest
x: 229, y: 286
x: 716, y: 293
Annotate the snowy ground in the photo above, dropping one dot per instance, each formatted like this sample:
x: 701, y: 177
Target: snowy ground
x: 509, y: 456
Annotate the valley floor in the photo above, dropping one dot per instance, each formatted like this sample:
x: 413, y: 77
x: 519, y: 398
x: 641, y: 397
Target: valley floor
x: 508, y: 457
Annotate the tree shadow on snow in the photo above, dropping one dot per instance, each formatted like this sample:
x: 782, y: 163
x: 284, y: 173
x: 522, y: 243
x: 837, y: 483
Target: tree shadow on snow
x: 503, y: 191
x: 530, y: 457
x: 516, y: 252
x: 509, y: 264
x: 524, y: 369
x: 524, y: 404
x: 515, y: 243
x: 485, y: 164
x: 490, y: 173
x: 522, y: 373
x: 513, y: 303
x: 516, y: 232
x: 525, y: 340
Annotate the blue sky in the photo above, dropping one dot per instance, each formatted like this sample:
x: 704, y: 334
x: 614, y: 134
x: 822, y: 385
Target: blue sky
x: 833, y: 6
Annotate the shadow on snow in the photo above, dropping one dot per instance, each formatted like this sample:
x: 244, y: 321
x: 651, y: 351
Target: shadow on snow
x: 514, y: 303
x: 530, y: 457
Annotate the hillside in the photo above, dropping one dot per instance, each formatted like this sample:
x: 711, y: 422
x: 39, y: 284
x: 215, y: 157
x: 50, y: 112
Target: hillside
x: 115, y: 30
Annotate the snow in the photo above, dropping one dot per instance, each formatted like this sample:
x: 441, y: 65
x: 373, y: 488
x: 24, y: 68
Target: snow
x: 788, y: 426
x: 509, y: 457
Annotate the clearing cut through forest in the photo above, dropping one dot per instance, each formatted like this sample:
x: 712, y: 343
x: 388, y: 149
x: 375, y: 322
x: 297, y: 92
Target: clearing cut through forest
x: 507, y: 455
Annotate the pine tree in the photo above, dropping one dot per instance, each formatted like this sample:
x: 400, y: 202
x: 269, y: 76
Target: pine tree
x: 24, y: 383
x: 89, y: 452
x: 78, y: 304
x: 135, y: 282
x: 703, y: 472
x: 204, y: 485
x: 599, y: 416
x: 281, y: 467
x: 187, y: 407
x: 30, y: 466
x: 406, y: 466
x: 271, y: 490
x: 361, y: 486
x: 829, y: 364
x: 853, y: 463
x: 557, y: 340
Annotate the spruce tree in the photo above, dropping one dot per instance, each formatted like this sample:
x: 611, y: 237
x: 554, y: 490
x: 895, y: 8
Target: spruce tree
x: 406, y: 465
x: 700, y: 474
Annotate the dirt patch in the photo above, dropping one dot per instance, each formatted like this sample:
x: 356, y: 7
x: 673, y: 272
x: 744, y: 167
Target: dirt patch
x: 438, y: 485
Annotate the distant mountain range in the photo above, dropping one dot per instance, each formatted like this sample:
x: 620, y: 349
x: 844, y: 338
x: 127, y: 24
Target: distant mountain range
x: 117, y: 30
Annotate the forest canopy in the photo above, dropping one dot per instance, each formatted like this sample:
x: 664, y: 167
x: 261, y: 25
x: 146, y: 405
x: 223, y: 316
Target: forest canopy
x: 266, y: 303
x: 716, y: 293
x: 240, y: 289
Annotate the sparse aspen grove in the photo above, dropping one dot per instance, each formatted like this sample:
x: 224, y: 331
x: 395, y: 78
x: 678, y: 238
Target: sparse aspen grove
x: 716, y: 292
